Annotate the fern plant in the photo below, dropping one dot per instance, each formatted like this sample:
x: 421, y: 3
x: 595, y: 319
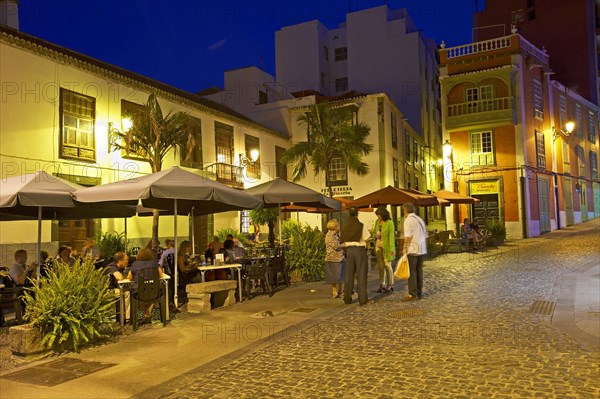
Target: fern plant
x: 288, y: 228
x: 72, y: 306
x: 496, y: 229
x: 109, y: 244
x: 307, y: 253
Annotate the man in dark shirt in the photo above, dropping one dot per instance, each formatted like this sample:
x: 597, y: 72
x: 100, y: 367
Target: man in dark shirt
x: 115, y: 270
x: 354, y: 235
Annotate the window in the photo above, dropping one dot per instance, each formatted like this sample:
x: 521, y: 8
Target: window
x: 422, y: 160
x: 132, y: 111
x: 394, y: 129
x: 338, y: 173
x: 538, y: 103
x: 476, y: 94
x: 482, y: 149
x: 407, y: 147
x: 280, y: 168
x: 566, y: 157
x: 594, y: 165
x: 326, y: 53
x: 245, y: 221
x: 580, y: 160
x: 415, y: 153
x: 252, y: 143
x: 562, y: 109
x: 540, y: 149
x: 578, y: 121
x: 224, y: 143
x: 395, y: 173
x: 191, y: 154
x: 341, y: 53
x: 591, y: 127
x: 78, y: 117
x: 341, y: 85
x: 323, y: 80
x: 472, y: 94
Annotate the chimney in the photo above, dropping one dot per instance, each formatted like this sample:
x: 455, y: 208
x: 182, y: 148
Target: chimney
x: 9, y: 13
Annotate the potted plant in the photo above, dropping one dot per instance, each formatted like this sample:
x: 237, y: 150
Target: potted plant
x: 109, y: 244
x: 496, y: 231
x: 71, y: 307
x: 307, y: 253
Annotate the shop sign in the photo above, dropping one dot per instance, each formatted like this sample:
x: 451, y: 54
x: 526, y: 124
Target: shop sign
x: 338, y: 191
x: 484, y: 187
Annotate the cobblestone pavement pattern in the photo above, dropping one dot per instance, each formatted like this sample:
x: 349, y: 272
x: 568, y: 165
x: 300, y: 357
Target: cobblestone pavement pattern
x: 473, y: 336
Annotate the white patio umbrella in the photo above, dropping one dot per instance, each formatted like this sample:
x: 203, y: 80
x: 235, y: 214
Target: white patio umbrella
x: 42, y: 196
x: 173, y: 189
x: 279, y: 192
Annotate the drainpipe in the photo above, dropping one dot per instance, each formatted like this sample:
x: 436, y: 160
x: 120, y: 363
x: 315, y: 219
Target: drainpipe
x: 524, y: 208
x: 556, y: 201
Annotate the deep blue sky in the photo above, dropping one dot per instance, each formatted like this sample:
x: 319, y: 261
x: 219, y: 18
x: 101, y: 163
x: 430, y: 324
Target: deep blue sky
x: 190, y: 43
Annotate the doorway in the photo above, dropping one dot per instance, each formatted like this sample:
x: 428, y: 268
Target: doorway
x: 544, y: 205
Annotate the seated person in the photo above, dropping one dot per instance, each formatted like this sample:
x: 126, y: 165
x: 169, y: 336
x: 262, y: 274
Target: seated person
x: 188, y: 273
x: 228, y: 251
x: 90, y: 250
x: 145, y: 259
x: 115, y: 270
x: 477, y: 231
x: 214, y: 247
x: 162, y: 262
x: 47, y: 263
x: 467, y: 233
x: 239, y: 250
x: 63, y: 256
x: 20, y: 270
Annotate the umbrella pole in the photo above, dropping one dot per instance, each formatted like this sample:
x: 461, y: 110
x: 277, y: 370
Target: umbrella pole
x: 125, y: 233
x: 39, y: 246
x: 176, y: 268
x: 193, y: 234
x: 279, y: 222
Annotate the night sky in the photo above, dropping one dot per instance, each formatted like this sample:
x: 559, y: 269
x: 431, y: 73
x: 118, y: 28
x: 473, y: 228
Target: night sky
x: 190, y: 43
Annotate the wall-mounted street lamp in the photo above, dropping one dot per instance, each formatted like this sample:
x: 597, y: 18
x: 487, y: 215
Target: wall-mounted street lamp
x: 126, y: 124
x: 569, y: 127
x: 245, y: 161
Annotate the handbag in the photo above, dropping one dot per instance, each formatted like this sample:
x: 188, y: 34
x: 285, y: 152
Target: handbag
x: 403, y: 271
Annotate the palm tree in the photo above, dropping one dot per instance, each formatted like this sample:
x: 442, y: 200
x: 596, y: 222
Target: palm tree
x: 151, y: 137
x: 331, y: 134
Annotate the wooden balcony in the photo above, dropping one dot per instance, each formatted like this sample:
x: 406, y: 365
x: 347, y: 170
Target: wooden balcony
x: 481, y: 113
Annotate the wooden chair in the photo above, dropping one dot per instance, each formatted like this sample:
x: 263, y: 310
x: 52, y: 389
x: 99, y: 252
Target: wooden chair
x: 148, y: 291
x: 10, y: 298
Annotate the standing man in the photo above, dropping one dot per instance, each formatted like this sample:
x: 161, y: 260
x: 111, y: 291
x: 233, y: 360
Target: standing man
x: 354, y: 235
x: 19, y: 270
x: 415, y: 246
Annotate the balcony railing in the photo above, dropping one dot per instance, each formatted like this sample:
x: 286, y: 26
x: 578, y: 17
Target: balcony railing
x: 479, y: 47
x: 473, y: 107
x: 230, y: 175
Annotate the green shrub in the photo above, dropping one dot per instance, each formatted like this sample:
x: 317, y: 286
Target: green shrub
x: 72, y: 306
x: 109, y: 244
x: 496, y: 229
x: 236, y: 234
x: 288, y: 228
x: 307, y: 253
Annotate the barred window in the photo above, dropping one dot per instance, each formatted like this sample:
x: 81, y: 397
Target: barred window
x: 540, y: 149
x: 566, y: 157
x: 415, y: 153
x: 395, y: 173
x: 407, y: 147
x: 594, y: 165
x: 78, y: 118
x: 338, y: 172
x: 341, y: 85
x: 578, y: 121
x: 224, y: 143
x: 280, y: 168
x: 580, y: 160
x: 591, y: 127
x: 538, y: 102
x: 394, y: 129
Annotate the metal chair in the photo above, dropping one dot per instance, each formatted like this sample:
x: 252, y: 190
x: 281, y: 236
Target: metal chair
x: 277, y: 267
x: 148, y: 291
x: 10, y: 297
x: 257, y: 270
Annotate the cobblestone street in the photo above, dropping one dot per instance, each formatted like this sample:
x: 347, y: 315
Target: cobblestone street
x: 474, y: 335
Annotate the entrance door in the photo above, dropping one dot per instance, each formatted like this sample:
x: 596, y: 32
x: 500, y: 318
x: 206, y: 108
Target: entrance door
x: 568, y: 194
x: 583, y: 202
x: 74, y: 232
x: 487, y: 209
x: 544, y: 204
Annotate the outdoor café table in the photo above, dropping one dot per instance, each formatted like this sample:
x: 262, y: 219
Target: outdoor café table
x: 125, y: 284
x: 236, y: 266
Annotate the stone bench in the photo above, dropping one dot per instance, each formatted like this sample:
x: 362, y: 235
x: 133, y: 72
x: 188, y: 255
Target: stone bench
x: 199, y: 295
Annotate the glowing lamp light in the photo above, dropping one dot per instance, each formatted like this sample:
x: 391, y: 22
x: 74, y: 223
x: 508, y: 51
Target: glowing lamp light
x: 126, y: 123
